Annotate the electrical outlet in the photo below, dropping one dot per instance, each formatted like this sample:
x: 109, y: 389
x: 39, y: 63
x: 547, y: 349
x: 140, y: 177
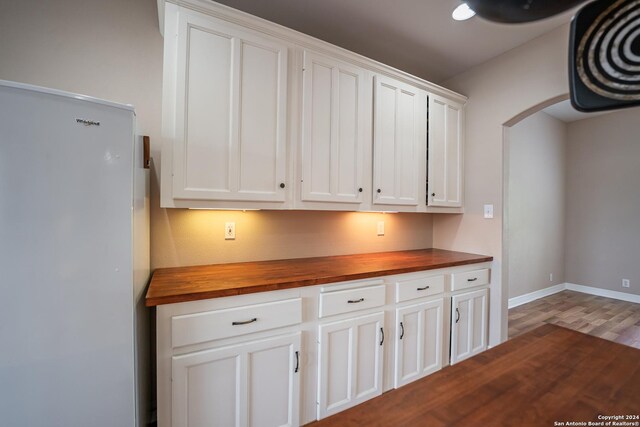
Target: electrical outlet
x: 380, y: 228
x: 488, y: 211
x: 626, y: 283
x: 551, y: 277
x: 230, y: 231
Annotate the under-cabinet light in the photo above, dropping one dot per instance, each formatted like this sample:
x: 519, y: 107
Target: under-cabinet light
x: 222, y: 209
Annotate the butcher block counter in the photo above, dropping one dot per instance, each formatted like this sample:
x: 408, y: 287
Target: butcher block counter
x: 181, y: 284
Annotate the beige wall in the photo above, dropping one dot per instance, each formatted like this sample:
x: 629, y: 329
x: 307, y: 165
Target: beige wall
x: 197, y: 237
x: 535, y: 203
x: 107, y: 49
x: 498, y: 91
x: 603, y: 201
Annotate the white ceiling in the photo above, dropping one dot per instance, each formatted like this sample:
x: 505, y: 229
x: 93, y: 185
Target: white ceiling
x: 417, y: 36
x: 564, y: 111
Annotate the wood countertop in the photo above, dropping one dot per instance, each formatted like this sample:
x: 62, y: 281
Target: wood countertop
x: 180, y: 284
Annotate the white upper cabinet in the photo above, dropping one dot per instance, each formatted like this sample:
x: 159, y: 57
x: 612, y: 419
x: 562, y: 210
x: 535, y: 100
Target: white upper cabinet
x: 230, y: 111
x: 445, y: 152
x: 335, y: 113
x: 399, y: 142
x: 258, y: 116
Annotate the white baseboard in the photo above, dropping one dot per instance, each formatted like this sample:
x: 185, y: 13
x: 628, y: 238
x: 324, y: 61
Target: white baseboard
x: 523, y: 299
x: 603, y: 292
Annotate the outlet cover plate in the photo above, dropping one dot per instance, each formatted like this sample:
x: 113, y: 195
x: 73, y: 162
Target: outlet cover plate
x: 230, y: 231
x: 488, y: 211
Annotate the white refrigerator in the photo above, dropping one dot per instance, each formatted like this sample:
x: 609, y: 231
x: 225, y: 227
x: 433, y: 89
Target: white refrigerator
x: 74, y: 260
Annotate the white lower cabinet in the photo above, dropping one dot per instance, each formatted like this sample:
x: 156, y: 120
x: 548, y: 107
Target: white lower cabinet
x: 469, y: 323
x: 418, y: 350
x: 350, y: 362
x: 289, y: 357
x: 251, y: 384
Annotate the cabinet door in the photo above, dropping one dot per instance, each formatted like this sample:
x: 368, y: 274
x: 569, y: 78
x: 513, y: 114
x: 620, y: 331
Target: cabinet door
x: 350, y: 362
x: 273, y: 381
x: 445, y: 153
x: 418, y: 342
x: 230, y: 112
x: 208, y: 388
x: 468, y: 324
x: 399, y: 142
x: 252, y: 384
x: 334, y: 116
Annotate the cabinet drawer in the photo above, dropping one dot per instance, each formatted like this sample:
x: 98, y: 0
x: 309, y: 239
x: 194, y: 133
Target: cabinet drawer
x: 469, y: 279
x: 211, y: 325
x: 349, y: 300
x: 419, y: 287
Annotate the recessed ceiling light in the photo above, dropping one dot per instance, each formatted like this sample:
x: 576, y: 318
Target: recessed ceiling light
x: 462, y: 12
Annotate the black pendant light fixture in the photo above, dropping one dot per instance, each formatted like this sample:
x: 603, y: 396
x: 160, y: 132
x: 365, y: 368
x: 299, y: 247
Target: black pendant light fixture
x: 519, y: 11
x: 604, y: 46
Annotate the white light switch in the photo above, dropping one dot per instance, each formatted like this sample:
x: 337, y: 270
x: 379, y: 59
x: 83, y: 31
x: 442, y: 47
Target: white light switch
x: 380, y: 228
x: 488, y: 211
x: 230, y: 231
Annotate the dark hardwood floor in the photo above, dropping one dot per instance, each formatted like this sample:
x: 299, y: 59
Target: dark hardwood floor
x: 551, y: 374
x: 602, y: 317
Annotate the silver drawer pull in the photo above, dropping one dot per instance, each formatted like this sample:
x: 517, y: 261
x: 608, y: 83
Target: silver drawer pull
x: 472, y: 280
x: 246, y: 322
x: 423, y: 289
x: 355, y: 301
